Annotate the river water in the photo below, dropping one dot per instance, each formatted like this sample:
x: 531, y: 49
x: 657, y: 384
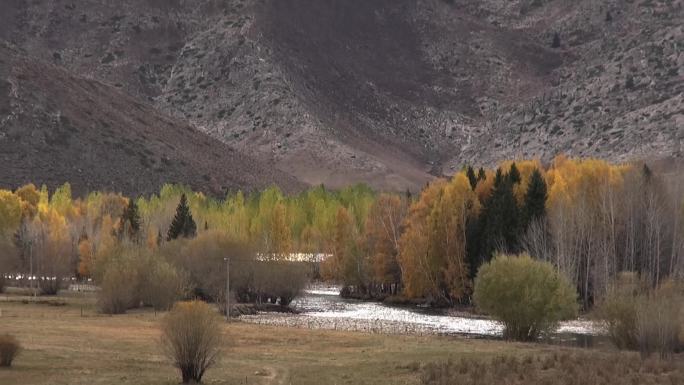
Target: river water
x: 322, y: 308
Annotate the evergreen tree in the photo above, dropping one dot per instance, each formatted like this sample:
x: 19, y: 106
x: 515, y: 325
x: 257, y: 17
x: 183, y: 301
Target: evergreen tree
x: 130, y: 222
x: 609, y: 17
x: 534, y: 206
x: 183, y: 225
x: 646, y: 172
x: 514, y: 174
x: 556, y: 43
x: 481, y: 175
x: 500, y: 219
x: 470, y: 173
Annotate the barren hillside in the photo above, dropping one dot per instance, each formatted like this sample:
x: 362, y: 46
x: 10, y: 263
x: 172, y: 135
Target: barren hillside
x: 390, y: 92
x: 58, y: 128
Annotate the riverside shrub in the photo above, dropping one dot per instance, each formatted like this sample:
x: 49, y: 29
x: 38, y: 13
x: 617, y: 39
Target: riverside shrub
x: 643, y: 319
x: 528, y: 296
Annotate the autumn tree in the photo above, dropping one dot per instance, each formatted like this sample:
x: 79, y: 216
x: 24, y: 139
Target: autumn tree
x: 433, y: 247
x: 281, y: 236
x: 383, y: 230
x: 348, y: 265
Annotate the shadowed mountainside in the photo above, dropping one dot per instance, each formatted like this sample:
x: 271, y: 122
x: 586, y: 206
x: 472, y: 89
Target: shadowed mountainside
x: 58, y: 128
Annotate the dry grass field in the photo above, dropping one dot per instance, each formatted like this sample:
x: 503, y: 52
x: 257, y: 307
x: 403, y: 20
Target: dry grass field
x: 72, y: 344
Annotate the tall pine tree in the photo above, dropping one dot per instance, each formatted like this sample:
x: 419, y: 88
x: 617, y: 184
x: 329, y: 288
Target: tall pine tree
x: 481, y: 175
x: 514, y: 174
x: 534, y: 206
x: 183, y: 225
x: 499, y: 222
x: 470, y: 173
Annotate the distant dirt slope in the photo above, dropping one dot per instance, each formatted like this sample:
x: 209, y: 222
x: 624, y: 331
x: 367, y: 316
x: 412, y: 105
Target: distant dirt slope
x: 56, y: 127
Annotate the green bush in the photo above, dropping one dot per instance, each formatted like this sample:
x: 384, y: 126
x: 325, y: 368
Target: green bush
x: 528, y: 296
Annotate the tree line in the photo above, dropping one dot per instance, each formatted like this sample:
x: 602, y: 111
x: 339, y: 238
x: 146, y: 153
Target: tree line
x: 589, y: 218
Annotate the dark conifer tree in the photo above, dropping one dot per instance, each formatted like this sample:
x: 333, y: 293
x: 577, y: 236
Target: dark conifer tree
x: 481, y: 175
x: 534, y: 206
x: 183, y: 225
x: 609, y: 17
x: 556, y: 43
x: 514, y: 174
x: 647, y: 173
x: 499, y: 221
x: 510, y: 216
x: 470, y: 173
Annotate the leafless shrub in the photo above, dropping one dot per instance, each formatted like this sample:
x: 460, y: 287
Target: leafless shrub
x: 641, y: 319
x: 191, y: 338
x: 160, y: 284
x: 658, y: 322
x: 117, y: 291
x: 618, y: 310
x: 9, y: 349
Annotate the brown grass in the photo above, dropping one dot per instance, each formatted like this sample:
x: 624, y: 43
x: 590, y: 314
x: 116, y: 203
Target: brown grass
x: 565, y: 368
x: 62, y: 347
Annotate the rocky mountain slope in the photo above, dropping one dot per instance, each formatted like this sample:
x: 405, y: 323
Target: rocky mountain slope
x: 57, y: 127
x: 390, y: 92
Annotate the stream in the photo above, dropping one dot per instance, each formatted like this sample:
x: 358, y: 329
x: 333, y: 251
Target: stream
x: 322, y: 308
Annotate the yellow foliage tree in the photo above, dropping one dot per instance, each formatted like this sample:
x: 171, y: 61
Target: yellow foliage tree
x: 433, y: 247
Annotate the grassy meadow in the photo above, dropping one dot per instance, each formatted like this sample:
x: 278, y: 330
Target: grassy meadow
x: 66, y: 341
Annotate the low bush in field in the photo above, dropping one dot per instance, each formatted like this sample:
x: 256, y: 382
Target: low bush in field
x: 618, y: 310
x: 251, y: 280
x: 9, y: 349
x: 528, y: 296
x: 117, y: 290
x: 134, y: 277
x: 191, y: 337
x: 639, y: 318
x: 560, y: 368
